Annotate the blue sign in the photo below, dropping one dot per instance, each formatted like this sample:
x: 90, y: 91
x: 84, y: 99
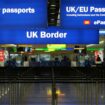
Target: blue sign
x: 87, y: 14
x: 52, y: 35
x: 23, y: 13
x: 102, y: 32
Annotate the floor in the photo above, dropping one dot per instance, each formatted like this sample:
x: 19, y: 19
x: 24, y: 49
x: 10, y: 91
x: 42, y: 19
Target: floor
x: 41, y: 94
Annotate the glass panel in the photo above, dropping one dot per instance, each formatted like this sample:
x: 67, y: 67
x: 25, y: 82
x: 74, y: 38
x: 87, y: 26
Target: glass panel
x: 25, y: 94
x: 81, y: 94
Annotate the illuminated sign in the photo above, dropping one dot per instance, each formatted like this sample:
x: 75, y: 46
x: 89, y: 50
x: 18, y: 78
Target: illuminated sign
x: 23, y: 13
x: 56, y: 46
x: 82, y: 14
x: 2, y: 56
x: 51, y: 35
x: 99, y: 55
x: 94, y: 49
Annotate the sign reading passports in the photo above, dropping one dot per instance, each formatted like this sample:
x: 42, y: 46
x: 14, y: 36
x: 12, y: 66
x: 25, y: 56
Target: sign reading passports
x: 23, y: 13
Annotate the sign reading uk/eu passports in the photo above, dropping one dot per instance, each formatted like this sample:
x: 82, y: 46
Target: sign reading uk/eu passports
x: 87, y: 14
x: 23, y: 13
x: 51, y: 35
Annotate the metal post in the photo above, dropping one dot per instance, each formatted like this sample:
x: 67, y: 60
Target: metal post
x: 97, y: 94
x: 9, y: 57
x: 54, y: 95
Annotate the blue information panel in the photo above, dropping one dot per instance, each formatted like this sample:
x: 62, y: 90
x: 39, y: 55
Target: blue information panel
x: 87, y: 14
x: 52, y: 35
x: 23, y: 13
x: 102, y: 32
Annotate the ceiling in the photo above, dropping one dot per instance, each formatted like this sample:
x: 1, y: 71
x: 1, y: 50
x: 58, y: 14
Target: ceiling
x: 53, y: 20
x: 53, y: 12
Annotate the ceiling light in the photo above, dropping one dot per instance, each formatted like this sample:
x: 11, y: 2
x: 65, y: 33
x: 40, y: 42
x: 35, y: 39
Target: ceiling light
x: 90, y: 45
x: 78, y: 48
x: 101, y: 42
x: 52, y: 13
x: 53, y: 5
x: 52, y: 19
